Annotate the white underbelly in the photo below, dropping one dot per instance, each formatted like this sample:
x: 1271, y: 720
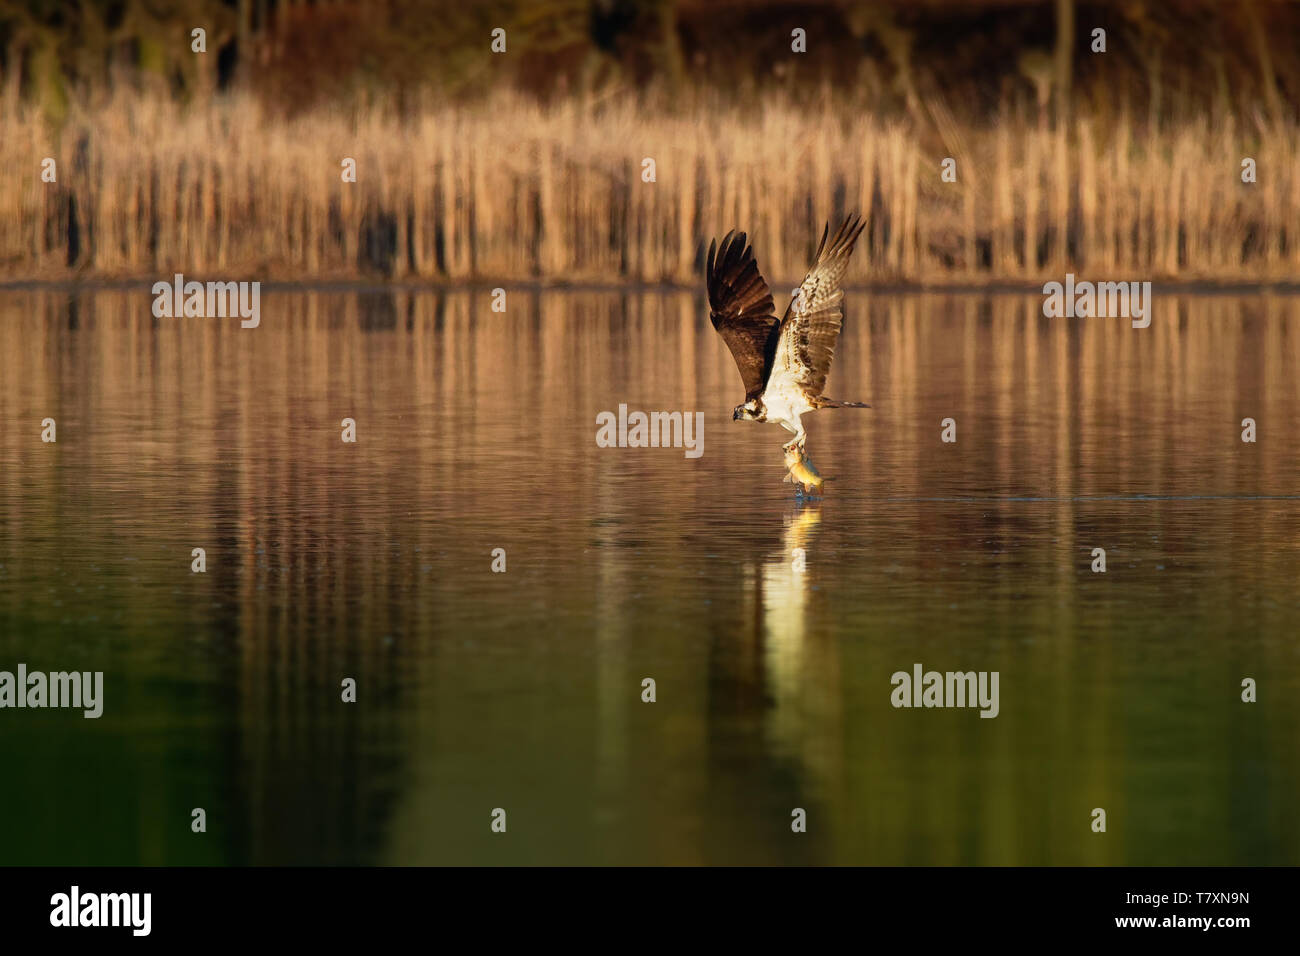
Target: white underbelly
x: 785, y: 405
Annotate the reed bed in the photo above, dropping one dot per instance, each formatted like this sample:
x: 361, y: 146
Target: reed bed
x: 516, y: 191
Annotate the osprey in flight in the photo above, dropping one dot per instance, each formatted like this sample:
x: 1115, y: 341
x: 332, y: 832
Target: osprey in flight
x: 783, y: 363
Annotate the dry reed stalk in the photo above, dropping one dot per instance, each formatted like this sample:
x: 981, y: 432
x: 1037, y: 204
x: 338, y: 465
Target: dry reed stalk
x: 514, y: 191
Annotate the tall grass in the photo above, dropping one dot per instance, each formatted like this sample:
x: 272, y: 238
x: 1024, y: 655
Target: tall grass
x: 519, y: 191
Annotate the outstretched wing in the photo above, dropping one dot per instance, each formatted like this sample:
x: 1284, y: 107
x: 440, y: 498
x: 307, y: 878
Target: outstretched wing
x: 741, y: 309
x: 811, y: 326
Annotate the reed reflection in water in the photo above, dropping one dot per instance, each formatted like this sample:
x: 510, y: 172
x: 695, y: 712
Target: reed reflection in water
x: 522, y: 690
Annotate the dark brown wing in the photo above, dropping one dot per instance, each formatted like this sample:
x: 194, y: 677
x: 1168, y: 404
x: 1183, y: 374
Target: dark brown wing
x: 811, y: 326
x: 741, y: 309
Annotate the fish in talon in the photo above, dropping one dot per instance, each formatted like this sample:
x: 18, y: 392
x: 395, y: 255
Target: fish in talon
x: 802, y: 472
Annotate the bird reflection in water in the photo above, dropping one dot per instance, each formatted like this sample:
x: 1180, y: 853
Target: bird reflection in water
x: 801, y: 666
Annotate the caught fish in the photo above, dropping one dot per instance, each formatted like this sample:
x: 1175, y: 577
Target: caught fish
x: 803, y: 472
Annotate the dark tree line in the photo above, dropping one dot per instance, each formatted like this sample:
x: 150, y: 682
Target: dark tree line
x: 893, y: 55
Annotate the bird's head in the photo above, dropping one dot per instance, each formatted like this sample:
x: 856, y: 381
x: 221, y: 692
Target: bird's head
x: 751, y: 411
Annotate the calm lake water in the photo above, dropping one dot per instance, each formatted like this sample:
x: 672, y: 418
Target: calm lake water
x: 522, y: 690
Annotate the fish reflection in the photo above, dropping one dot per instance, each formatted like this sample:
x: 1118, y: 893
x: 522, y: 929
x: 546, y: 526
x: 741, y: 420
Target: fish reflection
x: 797, y: 663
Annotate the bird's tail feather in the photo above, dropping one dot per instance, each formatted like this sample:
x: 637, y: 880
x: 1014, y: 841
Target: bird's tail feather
x: 832, y: 403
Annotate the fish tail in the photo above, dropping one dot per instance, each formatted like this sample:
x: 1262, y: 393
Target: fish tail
x: 832, y: 403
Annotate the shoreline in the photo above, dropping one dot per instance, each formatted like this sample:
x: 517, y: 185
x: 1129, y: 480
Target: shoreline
x: 963, y: 287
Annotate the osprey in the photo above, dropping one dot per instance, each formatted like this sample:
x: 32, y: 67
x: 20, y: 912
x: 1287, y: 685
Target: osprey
x: 783, y: 364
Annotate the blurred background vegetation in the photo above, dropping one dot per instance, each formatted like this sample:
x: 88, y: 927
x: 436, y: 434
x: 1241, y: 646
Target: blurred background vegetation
x: 528, y: 165
x: 896, y: 55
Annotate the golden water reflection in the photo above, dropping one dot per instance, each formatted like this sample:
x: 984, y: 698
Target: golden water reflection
x: 523, y: 690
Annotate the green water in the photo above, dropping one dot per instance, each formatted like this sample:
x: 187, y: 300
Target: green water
x: 522, y: 690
